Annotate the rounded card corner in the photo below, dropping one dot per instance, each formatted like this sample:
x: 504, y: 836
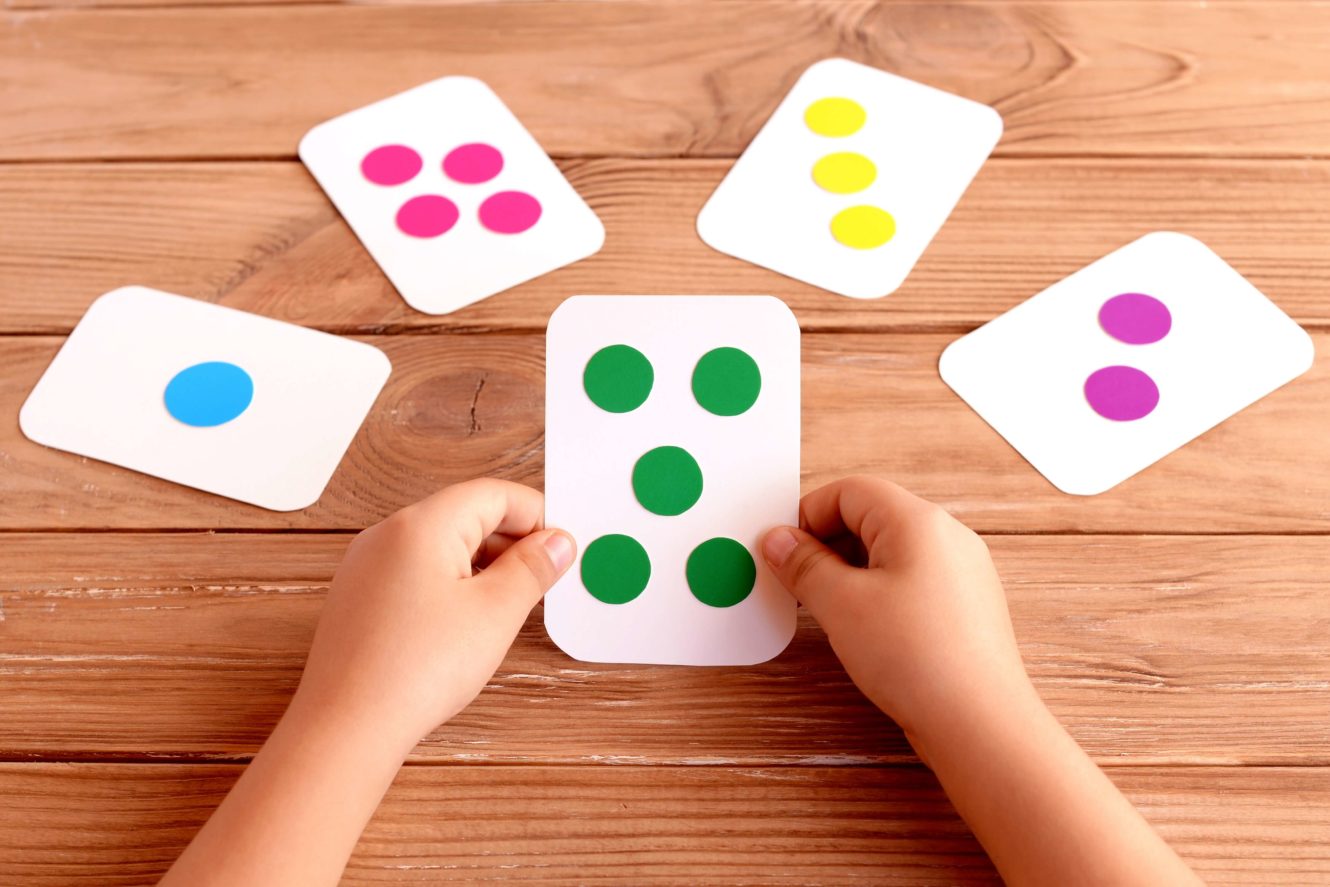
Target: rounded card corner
x: 559, y: 311
x: 1071, y: 489
x: 25, y: 422
x: 780, y: 307
x: 554, y: 634
x: 945, y: 359
x: 702, y: 224
x: 307, y: 140
x: 1308, y: 348
x: 385, y: 363
x: 128, y: 292
x: 1175, y: 237
x: 287, y: 507
x: 596, y: 243
x: 465, y: 81
x: 835, y: 61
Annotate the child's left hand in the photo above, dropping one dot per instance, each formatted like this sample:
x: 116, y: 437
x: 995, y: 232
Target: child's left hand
x: 425, y: 605
x: 411, y: 632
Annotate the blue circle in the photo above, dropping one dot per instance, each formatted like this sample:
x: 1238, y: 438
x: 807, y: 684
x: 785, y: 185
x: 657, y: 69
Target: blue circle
x: 209, y: 394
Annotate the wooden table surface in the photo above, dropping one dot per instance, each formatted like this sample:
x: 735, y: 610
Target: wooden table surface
x: 150, y: 635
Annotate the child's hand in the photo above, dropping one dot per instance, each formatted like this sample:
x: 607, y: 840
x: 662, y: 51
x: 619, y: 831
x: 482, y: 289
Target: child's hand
x: 914, y: 609
x: 411, y: 632
x: 916, y: 613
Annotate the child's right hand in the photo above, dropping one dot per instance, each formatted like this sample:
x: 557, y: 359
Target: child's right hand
x: 922, y: 628
x: 916, y: 614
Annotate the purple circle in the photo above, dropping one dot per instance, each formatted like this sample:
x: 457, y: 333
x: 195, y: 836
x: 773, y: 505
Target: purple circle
x: 428, y: 215
x: 1122, y: 394
x: 391, y: 165
x: 509, y: 212
x: 473, y: 163
x: 1135, y: 318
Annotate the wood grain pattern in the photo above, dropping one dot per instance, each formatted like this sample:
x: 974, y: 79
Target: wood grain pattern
x: 666, y: 79
x: 120, y: 825
x: 872, y: 404
x: 1196, y: 668
x: 262, y: 237
x: 1144, y: 646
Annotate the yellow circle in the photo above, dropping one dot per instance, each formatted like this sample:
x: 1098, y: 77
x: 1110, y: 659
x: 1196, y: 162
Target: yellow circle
x: 835, y: 117
x: 863, y: 227
x: 844, y: 172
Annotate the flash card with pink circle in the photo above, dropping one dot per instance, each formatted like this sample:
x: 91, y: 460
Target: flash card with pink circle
x: 1109, y: 370
x: 848, y: 182
x: 450, y: 194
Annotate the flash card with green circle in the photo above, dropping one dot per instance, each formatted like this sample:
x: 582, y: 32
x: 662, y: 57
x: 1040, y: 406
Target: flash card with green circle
x: 850, y: 179
x: 671, y: 446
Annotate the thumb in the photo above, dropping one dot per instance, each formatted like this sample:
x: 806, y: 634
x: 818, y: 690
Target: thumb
x: 807, y: 568
x: 531, y: 565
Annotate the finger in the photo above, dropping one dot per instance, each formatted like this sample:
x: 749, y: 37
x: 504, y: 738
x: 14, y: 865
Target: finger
x: 491, y: 547
x: 530, y: 566
x: 807, y: 568
x: 474, y: 510
x: 862, y: 506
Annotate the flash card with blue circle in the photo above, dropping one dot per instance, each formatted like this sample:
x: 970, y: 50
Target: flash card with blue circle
x: 851, y: 178
x: 450, y: 193
x: 1111, y: 369
x: 671, y: 446
x: 206, y: 396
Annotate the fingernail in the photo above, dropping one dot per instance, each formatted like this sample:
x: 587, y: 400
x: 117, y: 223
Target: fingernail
x: 778, y: 545
x: 560, y: 550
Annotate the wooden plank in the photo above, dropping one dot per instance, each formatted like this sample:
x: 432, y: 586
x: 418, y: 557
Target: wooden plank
x: 262, y: 237
x: 618, y: 78
x: 872, y: 404
x: 110, y: 825
x: 1145, y: 647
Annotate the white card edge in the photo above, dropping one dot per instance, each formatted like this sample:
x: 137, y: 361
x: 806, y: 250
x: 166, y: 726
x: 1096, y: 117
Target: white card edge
x: 1308, y: 360
x: 36, y: 435
x: 552, y: 633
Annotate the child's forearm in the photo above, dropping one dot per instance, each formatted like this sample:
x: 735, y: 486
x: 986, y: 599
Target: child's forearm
x: 297, y: 811
x: 1042, y: 809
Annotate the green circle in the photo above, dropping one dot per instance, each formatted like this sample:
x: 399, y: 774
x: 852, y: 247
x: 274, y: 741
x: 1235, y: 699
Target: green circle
x: 726, y: 381
x: 618, y: 378
x: 667, y: 480
x: 615, y: 568
x: 721, y: 572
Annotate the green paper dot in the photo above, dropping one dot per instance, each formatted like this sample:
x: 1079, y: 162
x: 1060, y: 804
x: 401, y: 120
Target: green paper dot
x: 615, y: 568
x: 726, y: 381
x: 667, y: 480
x: 721, y: 572
x: 618, y: 378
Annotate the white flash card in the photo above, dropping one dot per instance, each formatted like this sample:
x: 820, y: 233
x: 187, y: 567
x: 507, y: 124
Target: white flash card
x: 848, y: 182
x: 1111, y: 369
x: 450, y: 194
x: 210, y: 397
x: 671, y: 446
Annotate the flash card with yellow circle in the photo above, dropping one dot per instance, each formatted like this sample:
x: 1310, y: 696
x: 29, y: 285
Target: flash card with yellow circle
x: 850, y: 179
x: 671, y: 446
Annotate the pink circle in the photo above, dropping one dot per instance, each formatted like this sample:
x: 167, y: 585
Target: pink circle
x: 391, y: 165
x: 472, y: 164
x: 1122, y: 394
x: 509, y: 212
x: 428, y: 215
x: 1135, y: 318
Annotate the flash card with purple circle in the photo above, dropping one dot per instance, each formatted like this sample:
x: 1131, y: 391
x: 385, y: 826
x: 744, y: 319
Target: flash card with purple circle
x: 203, y: 395
x: 1111, y: 369
x: 671, y: 446
x: 450, y: 194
